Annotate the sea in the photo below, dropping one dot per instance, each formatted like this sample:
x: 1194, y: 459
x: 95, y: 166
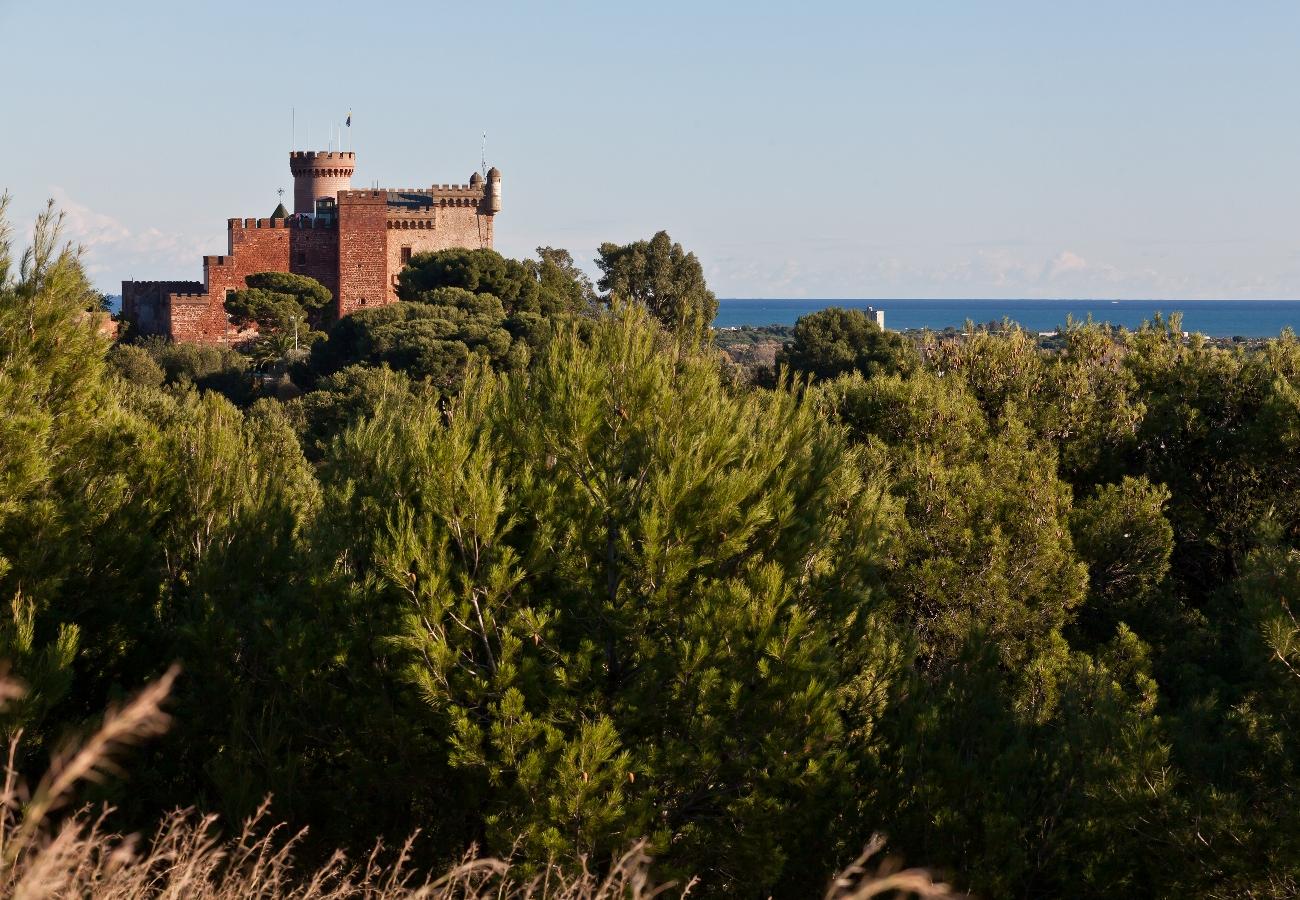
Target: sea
x: 1215, y: 318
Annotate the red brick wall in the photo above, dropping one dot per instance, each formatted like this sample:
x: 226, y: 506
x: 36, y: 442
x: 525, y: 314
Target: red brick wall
x: 257, y: 245
x: 195, y: 318
x: 363, y: 259
x: 314, y: 252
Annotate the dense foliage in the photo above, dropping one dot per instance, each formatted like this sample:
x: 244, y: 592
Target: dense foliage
x: 284, y: 309
x: 516, y: 573
x: 836, y: 341
x: 664, y: 278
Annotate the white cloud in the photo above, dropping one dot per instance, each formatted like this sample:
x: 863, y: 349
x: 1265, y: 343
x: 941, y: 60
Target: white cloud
x: 1012, y: 270
x: 113, y: 251
x: 1066, y: 261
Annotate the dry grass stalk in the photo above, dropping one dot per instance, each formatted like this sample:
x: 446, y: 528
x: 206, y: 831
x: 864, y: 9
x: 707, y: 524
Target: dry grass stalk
x: 887, y: 879
x: 187, y: 858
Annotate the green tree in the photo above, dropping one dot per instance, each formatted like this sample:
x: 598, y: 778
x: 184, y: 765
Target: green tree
x: 562, y: 287
x: 1001, y: 369
x: 1037, y: 782
x: 204, y: 366
x: 985, y: 542
x: 54, y: 491
x: 665, y: 279
x: 632, y: 602
x: 436, y: 339
x: 342, y: 399
x: 835, y: 341
x: 280, y: 303
x: 1010, y: 756
x: 137, y: 365
x: 479, y: 271
x: 550, y: 286
x: 1122, y: 534
x: 1087, y: 405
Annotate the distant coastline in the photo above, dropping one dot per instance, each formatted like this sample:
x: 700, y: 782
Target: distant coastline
x: 1216, y: 318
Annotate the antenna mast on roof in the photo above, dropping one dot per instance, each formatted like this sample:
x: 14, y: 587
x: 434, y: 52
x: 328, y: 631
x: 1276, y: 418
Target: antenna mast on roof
x: 483, y: 161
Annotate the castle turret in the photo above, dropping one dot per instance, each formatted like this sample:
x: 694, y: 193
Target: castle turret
x: 318, y: 175
x: 494, y: 189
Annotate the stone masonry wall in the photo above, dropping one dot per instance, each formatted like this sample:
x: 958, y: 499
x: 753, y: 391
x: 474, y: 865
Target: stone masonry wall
x: 463, y: 226
x: 256, y: 245
x: 144, y: 303
x: 192, y: 318
x: 314, y: 252
x: 363, y: 259
x: 443, y: 229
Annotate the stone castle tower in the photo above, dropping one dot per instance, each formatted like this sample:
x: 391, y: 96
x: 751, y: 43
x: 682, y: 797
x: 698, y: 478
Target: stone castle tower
x: 352, y: 241
x: 319, y: 176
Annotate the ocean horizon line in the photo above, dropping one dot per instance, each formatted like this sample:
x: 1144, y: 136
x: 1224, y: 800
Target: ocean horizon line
x: 1009, y: 299
x: 1217, y: 318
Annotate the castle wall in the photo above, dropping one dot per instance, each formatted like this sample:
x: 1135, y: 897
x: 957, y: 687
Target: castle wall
x: 256, y: 245
x: 463, y: 226
x: 195, y: 318
x: 440, y: 228
x: 363, y: 251
x: 144, y: 303
x: 314, y: 252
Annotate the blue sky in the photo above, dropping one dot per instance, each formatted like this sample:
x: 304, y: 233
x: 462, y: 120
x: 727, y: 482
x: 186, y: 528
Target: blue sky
x: 870, y: 149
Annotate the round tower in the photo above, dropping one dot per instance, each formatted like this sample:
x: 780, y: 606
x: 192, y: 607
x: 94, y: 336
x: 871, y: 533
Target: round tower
x: 318, y: 174
x: 494, y: 189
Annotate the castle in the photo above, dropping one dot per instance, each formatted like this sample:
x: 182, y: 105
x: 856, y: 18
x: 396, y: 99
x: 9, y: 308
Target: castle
x: 353, y: 242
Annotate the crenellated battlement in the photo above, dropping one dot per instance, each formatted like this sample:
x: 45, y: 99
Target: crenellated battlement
x: 322, y: 164
x: 306, y: 222
x: 189, y: 299
x: 140, y: 285
x: 237, y: 224
x: 429, y: 190
x: 323, y: 155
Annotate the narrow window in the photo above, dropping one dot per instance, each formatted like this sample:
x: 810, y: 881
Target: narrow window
x: 406, y: 255
x: 302, y: 258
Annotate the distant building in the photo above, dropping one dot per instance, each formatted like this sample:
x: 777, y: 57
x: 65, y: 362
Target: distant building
x: 353, y: 242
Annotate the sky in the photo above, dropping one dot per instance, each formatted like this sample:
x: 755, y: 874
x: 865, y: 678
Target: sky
x: 1135, y: 149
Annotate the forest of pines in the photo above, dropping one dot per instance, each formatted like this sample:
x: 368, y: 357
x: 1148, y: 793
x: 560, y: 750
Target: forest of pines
x: 526, y: 564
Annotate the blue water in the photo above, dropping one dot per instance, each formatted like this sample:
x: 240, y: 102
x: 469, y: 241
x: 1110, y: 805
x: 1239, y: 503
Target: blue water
x: 1216, y: 318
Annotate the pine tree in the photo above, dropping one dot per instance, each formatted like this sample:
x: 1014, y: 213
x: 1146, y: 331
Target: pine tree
x: 632, y: 601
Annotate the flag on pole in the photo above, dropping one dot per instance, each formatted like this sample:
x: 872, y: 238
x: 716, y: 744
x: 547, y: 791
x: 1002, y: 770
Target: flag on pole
x: 349, y: 121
